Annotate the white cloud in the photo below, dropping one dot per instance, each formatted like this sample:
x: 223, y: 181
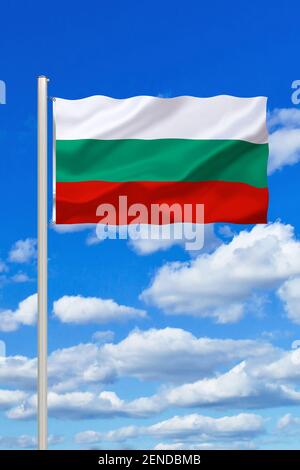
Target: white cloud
x: 264, y: 380
x: 145, y: 245
x: 103, y: 336
x: 150, y: 246
x: 237, y: 388
x: 285, y: 367
x: 170, y: 355
x: 70, y: 368
x: 18, y: 371
x: 289, y: 117
x: 218, y: 285
x: 195, y: 372
x: 2, y: 349
x: 26, y: 442
x: 23, y: 251
x: 9, y: 398
x: 185, y: 427
x: 214, y: 445
x: 284, y: 139
x: 25, y: 314
x: 88, y: 437
x: 180, y: 427
x: 92, y: 239
x: 78, y: 309
x: 288, y: 421
x: 14, y: 442
x: 74, y: 405
x: 20, y: 278
x: 267, y: 380
x: 173, y: 354
x: 3, y: 267
x: 289, y: 293
x: 107, y: 404
x: 284, y: 148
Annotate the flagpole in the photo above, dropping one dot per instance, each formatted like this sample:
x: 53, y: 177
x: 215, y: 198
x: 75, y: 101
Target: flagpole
x: 42, y: 263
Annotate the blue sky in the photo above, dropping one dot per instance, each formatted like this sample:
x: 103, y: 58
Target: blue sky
x: 123, y: 49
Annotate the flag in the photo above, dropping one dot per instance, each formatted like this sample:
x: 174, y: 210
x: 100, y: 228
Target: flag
x: 182, y: 150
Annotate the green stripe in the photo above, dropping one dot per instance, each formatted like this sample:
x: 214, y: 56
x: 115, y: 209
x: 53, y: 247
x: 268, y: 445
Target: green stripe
x: 162, y: 160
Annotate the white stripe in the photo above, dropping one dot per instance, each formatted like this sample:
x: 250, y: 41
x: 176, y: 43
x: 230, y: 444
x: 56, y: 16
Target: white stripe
x: 148, y: 117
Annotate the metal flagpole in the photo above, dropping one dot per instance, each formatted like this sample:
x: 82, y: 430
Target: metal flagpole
x: 42, y: 262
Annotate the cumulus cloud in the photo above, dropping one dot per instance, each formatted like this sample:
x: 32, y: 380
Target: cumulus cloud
x: 173, y: 354
x: 268, y: 380
x: 25, y: 314
x: 284, y: 139
x: 107, y: 404
x: 75, y: 405
x: 9, y: 398
x: 23, y: 251
x: 240, y: 387
x: 78, y: 309
x: 289, y: 293
x: 264, y: 379
x: 217, y: 285
x: 18, y: 371
x: 195, y: 372
x: 284, y: 367
x: 169, y: 354
x: 192, y: 426
x: 237, y: 388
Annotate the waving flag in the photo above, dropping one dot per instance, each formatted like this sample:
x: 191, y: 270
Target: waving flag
x: 182, y: 150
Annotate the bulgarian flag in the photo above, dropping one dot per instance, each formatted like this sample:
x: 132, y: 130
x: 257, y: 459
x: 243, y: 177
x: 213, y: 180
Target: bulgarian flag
x: 183, y: 150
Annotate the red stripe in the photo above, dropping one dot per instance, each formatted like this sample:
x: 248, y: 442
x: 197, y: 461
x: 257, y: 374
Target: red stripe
x: 223, y: 201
